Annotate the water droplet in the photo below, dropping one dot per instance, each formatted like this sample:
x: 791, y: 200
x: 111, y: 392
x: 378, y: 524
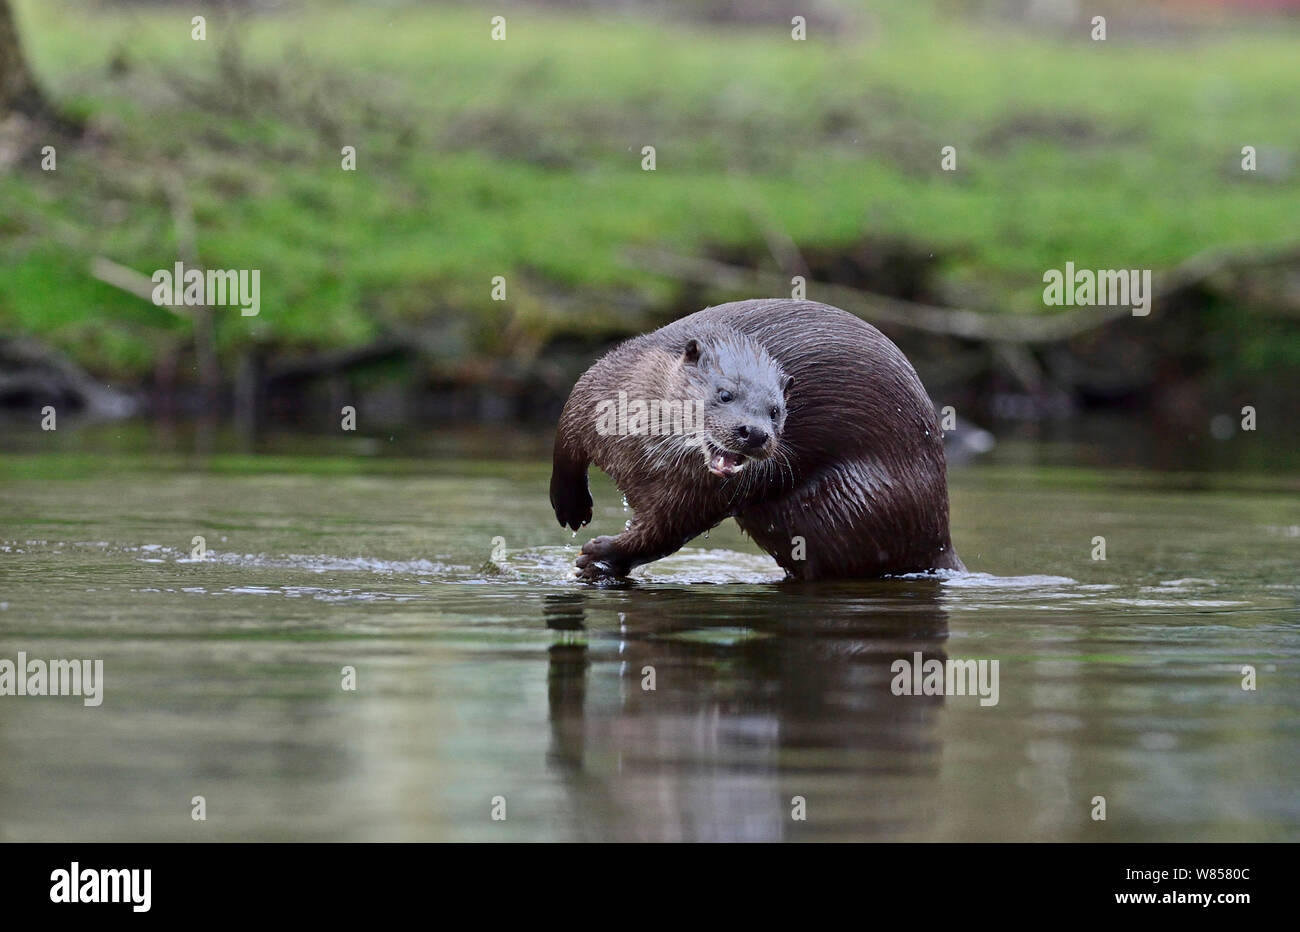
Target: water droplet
x: 627, y: 525
x: 706, y: 535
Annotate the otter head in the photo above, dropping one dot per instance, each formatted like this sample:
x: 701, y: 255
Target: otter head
x: 743, y: 390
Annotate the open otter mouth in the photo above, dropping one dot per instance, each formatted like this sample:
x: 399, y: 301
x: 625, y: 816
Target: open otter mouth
x: 724, y: 463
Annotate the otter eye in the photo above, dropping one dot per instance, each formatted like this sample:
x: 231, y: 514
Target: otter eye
x: 725, y: 396
x: 774, y: 413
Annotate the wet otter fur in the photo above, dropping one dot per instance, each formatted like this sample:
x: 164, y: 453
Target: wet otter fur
x: 817, y: 437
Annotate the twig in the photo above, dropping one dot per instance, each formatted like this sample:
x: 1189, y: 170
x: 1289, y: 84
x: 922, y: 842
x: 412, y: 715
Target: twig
x: 959, y: 322
x: 876, y: 308
x: 205, y: 339
x: 130, y: 281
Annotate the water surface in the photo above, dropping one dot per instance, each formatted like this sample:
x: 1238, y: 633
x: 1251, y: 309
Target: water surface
x: 223, y: 675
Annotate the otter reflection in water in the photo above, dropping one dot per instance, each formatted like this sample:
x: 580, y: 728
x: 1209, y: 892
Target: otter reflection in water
x: 669, y: 725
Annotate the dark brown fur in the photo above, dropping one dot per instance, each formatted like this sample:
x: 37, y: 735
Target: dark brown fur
x: 855, y: 466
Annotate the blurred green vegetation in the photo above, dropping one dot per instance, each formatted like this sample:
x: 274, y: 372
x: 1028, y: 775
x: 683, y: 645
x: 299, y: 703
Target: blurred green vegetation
x: 522, y: 158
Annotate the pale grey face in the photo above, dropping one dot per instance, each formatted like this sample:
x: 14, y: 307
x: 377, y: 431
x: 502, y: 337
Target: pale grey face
x: 743, y: 389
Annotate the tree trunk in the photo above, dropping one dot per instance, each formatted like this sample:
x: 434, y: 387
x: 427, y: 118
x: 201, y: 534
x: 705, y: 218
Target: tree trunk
x: 18, y: 89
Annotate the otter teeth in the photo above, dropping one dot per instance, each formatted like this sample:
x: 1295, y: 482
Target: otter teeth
x: 724, y: 463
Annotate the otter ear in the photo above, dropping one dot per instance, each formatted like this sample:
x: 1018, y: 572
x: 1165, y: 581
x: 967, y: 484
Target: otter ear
x: 692, y: 354
x: 786, y: 382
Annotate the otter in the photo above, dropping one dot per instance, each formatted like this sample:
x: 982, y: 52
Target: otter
x: 804, y: 423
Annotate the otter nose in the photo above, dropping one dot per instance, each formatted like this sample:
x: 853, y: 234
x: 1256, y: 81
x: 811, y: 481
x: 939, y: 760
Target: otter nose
x: 751, y: 438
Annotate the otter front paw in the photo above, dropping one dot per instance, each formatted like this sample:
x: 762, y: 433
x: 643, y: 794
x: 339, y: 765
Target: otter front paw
x: 601, y: 558
x: 572, y: 503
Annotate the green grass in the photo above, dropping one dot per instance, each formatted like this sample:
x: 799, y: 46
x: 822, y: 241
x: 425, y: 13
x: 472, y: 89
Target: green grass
x: 522, y: 158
